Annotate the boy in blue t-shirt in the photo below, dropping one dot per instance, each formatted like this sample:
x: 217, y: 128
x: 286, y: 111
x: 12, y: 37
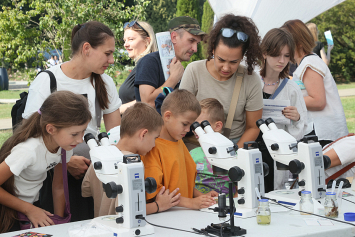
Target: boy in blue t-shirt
x: 212, y: 111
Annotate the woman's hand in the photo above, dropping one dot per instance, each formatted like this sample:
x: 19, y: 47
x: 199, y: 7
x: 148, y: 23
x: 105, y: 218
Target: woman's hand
x: 39, y: 217
x: 167, y: 200
x: 291, y: 112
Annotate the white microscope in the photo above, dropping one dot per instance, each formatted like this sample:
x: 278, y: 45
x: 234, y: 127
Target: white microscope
x: 246, y: 168
x: 122, y: 177
x: 304, y: 158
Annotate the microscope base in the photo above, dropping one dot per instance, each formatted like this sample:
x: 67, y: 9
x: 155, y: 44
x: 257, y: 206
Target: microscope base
x: 244, y: 212
x: 283, y: 196
x: 147, y: 230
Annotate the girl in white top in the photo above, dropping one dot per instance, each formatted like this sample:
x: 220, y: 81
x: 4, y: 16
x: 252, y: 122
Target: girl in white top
x: 278, y: 51
x: 32, y: 150
x: 318, y: 87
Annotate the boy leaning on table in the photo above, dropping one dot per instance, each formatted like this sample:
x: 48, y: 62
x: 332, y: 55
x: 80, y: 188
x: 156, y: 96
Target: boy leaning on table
x: 169, y: 162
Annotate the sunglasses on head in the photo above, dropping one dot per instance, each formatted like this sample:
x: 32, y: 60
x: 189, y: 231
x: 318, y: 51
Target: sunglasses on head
x: 227, y: 33
x: 132, y: 23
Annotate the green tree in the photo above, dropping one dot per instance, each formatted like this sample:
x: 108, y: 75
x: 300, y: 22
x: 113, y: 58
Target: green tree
x: 206, y: 24
x: 340, y: 21
x: 159, y: 13
x: 47, y: 24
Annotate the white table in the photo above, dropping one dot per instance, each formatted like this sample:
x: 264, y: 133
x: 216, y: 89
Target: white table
x: 282, y: 224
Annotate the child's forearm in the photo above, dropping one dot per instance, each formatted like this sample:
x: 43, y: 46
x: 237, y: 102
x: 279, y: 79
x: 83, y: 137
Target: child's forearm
x: 197, y: 193
x: 186, y: 202
x: 13, y: 202
x: 151, y: 208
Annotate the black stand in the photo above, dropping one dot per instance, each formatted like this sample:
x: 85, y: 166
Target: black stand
x: 225, y: 229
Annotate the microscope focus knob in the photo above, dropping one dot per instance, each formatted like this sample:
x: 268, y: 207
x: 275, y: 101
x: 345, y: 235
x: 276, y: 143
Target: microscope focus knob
x: 275, y: 147
x: 212, y: 150
x: 241, y: 191
x: 296, y: 166
x: 119, y: 208
x: 98, y: 165
x: 119, y: 220
x: 235, y: 174
x: 241, y: 201
x: 327, y: 162
x: 301, y: 183
x: 112, y: 189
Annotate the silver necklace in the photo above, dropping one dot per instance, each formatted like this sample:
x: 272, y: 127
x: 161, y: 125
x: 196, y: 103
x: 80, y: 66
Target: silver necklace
x: 269, y: 84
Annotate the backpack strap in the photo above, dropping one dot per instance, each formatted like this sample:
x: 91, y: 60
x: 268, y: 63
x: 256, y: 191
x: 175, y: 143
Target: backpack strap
x: 53, y: 81
x: 279, y: 89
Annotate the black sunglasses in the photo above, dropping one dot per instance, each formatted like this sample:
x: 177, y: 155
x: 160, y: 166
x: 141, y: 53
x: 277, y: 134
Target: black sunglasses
x: 227, y: 32
x: 132, y: 23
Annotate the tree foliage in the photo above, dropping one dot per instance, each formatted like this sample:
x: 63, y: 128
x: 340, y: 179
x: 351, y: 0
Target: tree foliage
x: 159, y: 13
x: 30, y: 27
x: 340, y: 21
x: 206, y: 24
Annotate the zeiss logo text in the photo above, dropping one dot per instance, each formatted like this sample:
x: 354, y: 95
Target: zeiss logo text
x: 257, y: 160
x: 136, y: 175
x: 317, y: 153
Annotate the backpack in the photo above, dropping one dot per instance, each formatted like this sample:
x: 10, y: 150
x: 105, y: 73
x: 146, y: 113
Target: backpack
x: 19, y: 107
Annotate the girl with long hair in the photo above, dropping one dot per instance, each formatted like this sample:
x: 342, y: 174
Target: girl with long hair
x: 32, y: 150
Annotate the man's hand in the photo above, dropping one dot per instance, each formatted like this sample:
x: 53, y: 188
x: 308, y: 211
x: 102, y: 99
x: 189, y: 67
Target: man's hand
x: 167, y: 200
x: 77, y: 166
x: 176, y: 70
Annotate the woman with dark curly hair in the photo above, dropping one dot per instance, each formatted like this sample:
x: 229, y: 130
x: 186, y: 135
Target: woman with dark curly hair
x: 231, y: 39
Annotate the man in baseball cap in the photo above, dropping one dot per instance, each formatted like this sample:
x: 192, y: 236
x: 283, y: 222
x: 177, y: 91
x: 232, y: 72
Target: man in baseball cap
x: 185, y: 33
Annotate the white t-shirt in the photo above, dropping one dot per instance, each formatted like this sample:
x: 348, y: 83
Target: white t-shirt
x: 29, y: 161
x: 40, y: 90
x: 330, y: 123
x: 345, y: 149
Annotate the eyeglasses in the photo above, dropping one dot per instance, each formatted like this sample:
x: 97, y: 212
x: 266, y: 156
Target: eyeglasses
x: 132, y: 23
x: 226, y: 32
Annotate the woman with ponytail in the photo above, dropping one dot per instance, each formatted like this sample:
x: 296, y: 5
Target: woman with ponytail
x: 92, y: 46
x: 33, y: 149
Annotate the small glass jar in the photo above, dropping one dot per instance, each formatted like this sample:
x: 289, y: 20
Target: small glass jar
x: 331, y: 205
x: 263, y: 213
x: 306, y: 203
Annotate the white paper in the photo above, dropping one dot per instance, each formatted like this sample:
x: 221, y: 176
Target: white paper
x: 273, y: 109
x: 328, y: 37
x: 166, y: 51
x: 318, y: 222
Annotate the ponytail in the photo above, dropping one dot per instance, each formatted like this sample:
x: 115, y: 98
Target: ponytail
x: 100, y: 90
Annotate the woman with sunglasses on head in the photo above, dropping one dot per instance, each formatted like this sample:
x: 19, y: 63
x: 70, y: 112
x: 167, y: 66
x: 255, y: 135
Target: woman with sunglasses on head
x: 139, y: 40
x: 278, y: 51
x: 325, y: 112
x: 231, y: 39
x: 92, y: 45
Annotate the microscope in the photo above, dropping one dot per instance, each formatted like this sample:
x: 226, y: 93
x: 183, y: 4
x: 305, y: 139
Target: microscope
x: 122, y: 177
x: 304, y: 157
x: 246, y: 169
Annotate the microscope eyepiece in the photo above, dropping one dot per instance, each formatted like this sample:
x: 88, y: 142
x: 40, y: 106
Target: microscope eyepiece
x: 102, y: 135
x: 194, y: 126
x: 204, y: 124
x: 268, y: 121
x: 260, y: 122
x: 88, y: 137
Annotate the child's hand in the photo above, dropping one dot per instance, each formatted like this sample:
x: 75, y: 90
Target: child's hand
x: 202, y: 201
x: 291, y: 112
x: 167, y: 200
x: 77, y: 166
x: 39, y: 217
x: 212, y: 194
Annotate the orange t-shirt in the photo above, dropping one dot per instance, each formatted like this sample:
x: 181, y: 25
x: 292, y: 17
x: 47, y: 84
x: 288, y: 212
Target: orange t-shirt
x: 172, y: 166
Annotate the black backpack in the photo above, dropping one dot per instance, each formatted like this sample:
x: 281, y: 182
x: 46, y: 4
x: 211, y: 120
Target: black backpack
x: 19, y: 107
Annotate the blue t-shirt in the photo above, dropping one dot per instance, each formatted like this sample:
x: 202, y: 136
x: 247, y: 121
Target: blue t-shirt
x: 149, y: 72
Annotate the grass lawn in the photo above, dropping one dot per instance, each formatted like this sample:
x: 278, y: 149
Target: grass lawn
x: 11, y: 94
x: 349, y: 109
x: 346, y: 86
x: 5, y: 111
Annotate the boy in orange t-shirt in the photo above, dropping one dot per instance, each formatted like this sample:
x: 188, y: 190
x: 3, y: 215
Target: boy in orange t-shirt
x: 140, y: 126
x: 169, y: 162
